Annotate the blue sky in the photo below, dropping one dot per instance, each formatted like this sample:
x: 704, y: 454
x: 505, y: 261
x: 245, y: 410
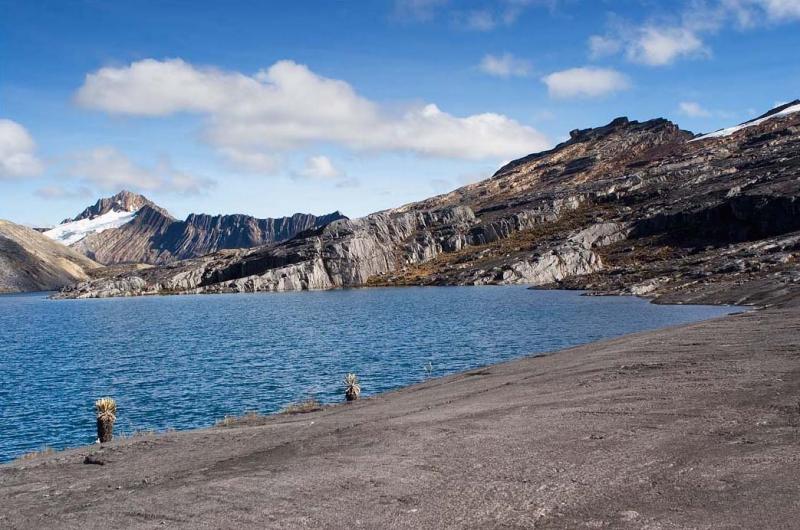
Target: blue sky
x: 269, y: 108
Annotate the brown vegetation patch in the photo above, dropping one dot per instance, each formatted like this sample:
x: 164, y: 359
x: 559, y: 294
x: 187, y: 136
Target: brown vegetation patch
x: 303, y: 407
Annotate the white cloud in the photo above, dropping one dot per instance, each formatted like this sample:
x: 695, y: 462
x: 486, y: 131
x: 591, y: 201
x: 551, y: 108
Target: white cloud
x: 693, y: 109
x: 659, y: 43
x: 587, y: 82
x: 657, y: 46
x: 252, y: 119
x: 320, y: 167
x: 17, y: 152
x: 110, y: 170
x: 505, y: 65
x: 780, y: 10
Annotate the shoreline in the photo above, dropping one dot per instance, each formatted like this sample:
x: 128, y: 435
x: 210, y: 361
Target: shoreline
x: 380, y: 437
x: 730, y: 309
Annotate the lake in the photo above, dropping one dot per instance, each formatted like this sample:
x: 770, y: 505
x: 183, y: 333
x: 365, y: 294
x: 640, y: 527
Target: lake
x: 186, y: 361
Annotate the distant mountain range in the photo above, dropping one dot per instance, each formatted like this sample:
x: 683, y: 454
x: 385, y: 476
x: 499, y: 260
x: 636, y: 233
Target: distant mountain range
x: 630, y: 207
x: 129, y: 228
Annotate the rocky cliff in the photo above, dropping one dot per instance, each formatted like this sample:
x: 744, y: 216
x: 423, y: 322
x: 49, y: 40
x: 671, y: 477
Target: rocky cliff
x: 151, y: 235
x: 630, y: 207
x: 30, y: 261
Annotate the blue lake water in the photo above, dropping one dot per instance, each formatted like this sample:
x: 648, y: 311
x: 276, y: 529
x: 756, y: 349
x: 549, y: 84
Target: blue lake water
x: 187, y: 361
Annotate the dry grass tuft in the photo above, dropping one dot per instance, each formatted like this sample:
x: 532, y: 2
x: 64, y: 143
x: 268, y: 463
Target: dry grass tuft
x: 310, y: 404
x: 44, y: 451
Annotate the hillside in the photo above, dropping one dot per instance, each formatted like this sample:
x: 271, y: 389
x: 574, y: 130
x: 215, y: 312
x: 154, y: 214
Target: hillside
x: 30, y: 261
x: 633, y: 208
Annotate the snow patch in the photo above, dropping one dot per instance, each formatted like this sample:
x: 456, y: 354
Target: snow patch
x: 730, y: 130
x: 71, y: 233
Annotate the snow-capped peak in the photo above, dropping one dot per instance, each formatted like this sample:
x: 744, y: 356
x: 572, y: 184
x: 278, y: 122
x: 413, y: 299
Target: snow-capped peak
x: 775, y: 113
x: 72, y: 232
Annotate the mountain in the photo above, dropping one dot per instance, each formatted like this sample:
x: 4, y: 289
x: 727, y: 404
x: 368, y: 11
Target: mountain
x: 129, y: 228
x: 30, y: 261
x: 124, y: 201
x: 627, y: 208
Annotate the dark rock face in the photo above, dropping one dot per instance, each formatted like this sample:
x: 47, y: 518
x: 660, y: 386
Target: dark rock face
x: 203, y: 234
x: 739, y: 218
x: 631, y: 207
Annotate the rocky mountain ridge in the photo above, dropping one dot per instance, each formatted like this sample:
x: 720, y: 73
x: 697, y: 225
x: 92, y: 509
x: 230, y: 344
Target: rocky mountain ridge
x: 150, y: 235
x: 630, y: 207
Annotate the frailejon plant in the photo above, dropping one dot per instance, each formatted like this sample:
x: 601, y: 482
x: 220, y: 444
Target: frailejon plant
x: 352, y: 387
x: 106, y: 411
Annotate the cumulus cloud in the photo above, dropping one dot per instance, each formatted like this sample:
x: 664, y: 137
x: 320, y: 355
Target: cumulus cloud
x: 662, y: 42
x: 110, y: 170
x: 17, y: 152
x: 651, y: 45
x: 505, y: 65
x: 587, y: 82
x: 320, y: 167
x: 693, y: 109
x: 252, y: 119
x: 657, y: 46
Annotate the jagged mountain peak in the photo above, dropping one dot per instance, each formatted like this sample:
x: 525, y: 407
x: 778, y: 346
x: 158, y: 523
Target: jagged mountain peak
x: 620, y: 137
x: 621, y: 125
x: 124, y: 201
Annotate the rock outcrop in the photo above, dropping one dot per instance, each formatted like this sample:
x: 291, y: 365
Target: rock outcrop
x: 630, y: 207
x: 30, y: 261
